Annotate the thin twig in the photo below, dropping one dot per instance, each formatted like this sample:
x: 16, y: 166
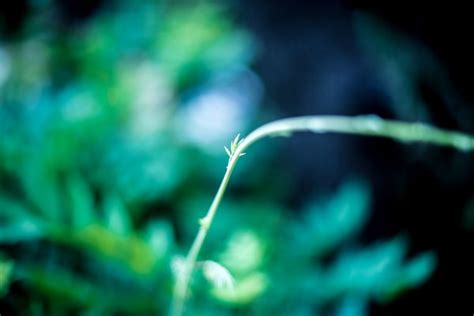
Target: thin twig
x: 368, y: 125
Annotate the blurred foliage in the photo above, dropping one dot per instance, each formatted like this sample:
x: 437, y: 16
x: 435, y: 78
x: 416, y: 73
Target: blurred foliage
x: 102, y: 181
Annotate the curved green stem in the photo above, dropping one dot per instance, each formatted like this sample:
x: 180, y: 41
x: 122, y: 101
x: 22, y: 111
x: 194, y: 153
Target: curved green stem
x: 368, y: 125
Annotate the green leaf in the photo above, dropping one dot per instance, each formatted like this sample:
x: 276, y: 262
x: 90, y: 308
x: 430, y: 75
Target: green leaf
x: 81, y: 201
x: 68, y: 289
x: 245, y: 291
x: 419, y: 269
x: 6, y: 269
x: 217, y: 275
x: 413, y: 274
x: 130, y: 251
x: 11, y: 209
x: 43, y: 191
x: 244, y: 252
x: 116, y: 216
x: 24, y: 229
x: 159, y: 236
x: 338, y: 218
x: 369, y: 271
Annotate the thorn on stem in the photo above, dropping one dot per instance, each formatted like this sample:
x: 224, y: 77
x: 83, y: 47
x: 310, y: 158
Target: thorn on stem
x: 228, y: 151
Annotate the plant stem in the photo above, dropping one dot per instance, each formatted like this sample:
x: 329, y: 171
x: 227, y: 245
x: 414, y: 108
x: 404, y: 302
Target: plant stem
x: 205, y: 223
x: 368, y: 125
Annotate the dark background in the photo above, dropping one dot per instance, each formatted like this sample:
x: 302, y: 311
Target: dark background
x: 310, y: 63
x: 422, y: 192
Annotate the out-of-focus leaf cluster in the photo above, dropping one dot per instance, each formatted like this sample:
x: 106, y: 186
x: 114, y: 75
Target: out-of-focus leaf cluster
x: 310, y: 265
x: 90, y: 144
x: 111, y: 136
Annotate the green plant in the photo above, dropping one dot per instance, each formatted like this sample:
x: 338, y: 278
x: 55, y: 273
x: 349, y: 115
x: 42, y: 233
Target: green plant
x: 92, y: 164
x: 362, y: 125
x: 104, y: 172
